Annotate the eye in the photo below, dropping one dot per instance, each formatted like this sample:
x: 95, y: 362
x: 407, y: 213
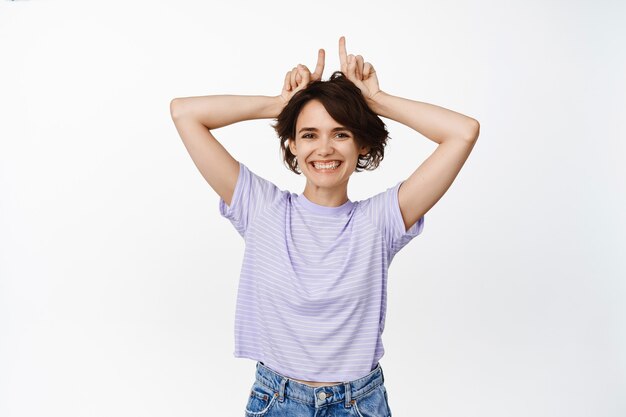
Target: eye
x: 343, y: 135
x: 307, y: 136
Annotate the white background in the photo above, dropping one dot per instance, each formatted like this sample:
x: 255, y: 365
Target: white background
x: 118, y: 276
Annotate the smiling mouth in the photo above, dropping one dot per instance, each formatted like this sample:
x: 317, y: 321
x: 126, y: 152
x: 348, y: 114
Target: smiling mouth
x: 326, y: 167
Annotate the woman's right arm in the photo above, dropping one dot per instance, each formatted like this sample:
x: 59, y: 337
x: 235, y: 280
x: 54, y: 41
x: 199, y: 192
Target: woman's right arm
x: 219, y: 111
x: 195, y: 117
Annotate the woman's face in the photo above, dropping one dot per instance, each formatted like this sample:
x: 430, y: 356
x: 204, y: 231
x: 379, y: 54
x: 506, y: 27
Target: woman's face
x: 327, y: 153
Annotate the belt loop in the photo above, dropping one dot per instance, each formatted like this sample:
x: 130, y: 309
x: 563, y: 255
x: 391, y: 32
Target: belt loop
x: 281, y: 393
x: 348, y: 394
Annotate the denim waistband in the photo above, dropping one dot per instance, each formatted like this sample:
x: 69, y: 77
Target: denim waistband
x: 319, y: 396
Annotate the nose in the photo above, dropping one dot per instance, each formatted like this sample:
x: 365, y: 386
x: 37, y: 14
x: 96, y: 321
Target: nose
x: 325, y: 146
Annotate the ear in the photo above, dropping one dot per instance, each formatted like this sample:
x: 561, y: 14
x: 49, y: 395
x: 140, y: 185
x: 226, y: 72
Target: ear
x: 292, y: 146
x: 365, y: 150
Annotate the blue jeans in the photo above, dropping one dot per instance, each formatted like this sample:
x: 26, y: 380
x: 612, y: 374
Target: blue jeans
x: 274, y: 395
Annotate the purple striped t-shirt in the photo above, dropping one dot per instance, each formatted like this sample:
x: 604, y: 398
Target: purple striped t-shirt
x: 312, y: 293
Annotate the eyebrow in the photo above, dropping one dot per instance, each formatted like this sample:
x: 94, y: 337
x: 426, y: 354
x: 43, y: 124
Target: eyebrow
x: 314, y: 129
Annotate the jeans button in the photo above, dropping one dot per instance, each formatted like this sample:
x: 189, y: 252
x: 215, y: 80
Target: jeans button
x: 321, y: 395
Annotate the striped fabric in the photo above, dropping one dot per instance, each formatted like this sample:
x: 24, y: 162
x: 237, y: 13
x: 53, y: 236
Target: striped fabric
x: 312, y: 293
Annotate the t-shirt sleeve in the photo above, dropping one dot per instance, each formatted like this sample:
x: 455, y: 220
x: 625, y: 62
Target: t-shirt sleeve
x: 251, y: 197
x: 384, y: 210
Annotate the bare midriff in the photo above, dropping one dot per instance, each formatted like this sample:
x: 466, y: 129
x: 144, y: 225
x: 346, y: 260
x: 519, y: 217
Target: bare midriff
x: 315, y: 383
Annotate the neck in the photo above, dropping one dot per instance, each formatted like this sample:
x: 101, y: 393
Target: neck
x: 325, y: 196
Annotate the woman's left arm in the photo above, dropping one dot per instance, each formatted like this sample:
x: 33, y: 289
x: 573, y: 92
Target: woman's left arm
x: 455, y: 133
x: 436, y: 123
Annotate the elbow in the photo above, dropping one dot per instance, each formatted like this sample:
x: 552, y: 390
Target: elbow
x: 473, y: 130
x: 175, y: 108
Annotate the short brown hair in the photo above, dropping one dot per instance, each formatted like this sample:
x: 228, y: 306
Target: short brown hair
x: 345, y: 103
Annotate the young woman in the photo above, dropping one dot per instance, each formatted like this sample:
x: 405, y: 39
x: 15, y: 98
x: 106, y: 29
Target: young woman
x: 312, y: 292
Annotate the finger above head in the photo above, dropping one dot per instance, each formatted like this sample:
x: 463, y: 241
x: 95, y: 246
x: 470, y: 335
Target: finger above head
x: 292, y: 78
x: 351, y: 67
x: 359, y: 66
x: 319, y: 68
x: 343, y: 55
x: 304, y: 74
x: 287, y: 85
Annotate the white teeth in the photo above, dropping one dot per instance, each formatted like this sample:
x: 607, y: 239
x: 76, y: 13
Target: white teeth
x: 330, y: 165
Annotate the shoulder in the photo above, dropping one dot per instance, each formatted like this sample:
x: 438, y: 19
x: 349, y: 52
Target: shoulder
x: 250, y: 179
x: 383, y: 210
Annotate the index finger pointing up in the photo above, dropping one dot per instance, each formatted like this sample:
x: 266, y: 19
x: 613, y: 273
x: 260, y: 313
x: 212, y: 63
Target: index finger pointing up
x: 319, y: 68
x: 343, y: 55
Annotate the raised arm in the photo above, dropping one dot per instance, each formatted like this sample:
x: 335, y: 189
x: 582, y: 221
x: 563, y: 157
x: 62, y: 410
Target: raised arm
x: 195, y: 117
x: 455, y: 133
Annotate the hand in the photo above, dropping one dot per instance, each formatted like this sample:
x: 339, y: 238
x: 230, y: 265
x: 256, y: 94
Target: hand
x: 362, y: 74
x: 299, y: 77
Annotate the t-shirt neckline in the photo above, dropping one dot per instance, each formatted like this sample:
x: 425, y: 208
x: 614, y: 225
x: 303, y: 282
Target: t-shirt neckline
x: 317, y: 208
